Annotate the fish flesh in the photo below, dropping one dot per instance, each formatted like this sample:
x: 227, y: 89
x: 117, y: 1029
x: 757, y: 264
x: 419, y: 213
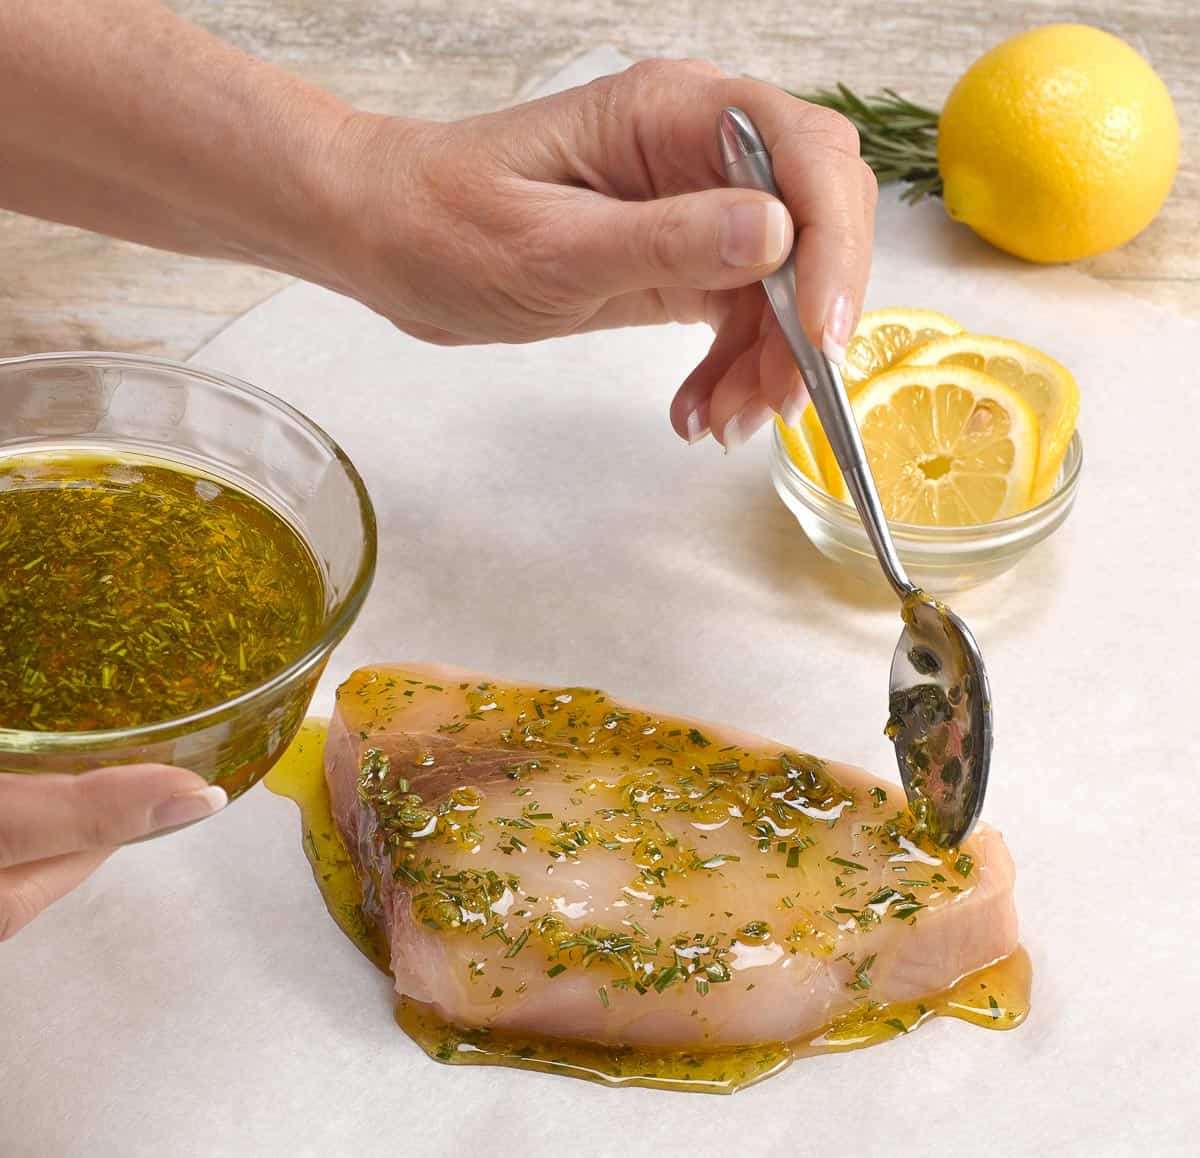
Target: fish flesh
x: 555, y: 862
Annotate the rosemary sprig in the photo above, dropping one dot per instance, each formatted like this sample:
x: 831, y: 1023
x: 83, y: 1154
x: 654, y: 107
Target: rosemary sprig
x: 898, y: 138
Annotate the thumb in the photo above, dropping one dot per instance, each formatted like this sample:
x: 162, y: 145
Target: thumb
x: 48, y: 815
x: 718, y: 239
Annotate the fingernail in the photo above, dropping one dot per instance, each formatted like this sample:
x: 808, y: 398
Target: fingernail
x: 753, y: 233
x: 184, y: 807
x: 794, y: 406
x: 839, y: 325
x: 697, y: 424
x: 742, y: 426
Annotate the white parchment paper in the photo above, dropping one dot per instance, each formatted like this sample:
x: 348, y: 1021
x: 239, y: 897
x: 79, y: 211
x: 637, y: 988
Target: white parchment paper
x: 540, y: 520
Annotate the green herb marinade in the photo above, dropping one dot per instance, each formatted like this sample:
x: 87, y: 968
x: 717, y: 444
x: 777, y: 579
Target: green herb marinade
x: 133, y: 591
x: 499, y: 908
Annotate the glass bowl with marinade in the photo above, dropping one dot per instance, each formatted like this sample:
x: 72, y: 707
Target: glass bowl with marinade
x: 180, y: 552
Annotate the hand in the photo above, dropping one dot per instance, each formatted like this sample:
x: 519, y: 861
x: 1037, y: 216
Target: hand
x: 55, y: 830
x: 602, y: 206
x: 606, y: 206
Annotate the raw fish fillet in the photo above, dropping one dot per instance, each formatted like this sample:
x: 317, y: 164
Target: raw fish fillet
x: 556, y: 862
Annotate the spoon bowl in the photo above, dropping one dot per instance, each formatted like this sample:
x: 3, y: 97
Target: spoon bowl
x: 940, y: 718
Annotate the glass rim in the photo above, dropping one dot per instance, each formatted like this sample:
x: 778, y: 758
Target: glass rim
x: 823, y: 503
x: 335, y: 626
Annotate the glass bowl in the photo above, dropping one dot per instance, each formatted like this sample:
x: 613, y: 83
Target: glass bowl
x: 235, y: 432
x: 938, y: 559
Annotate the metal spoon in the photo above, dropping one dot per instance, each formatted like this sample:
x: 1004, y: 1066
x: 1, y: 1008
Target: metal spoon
x: 939, y: 704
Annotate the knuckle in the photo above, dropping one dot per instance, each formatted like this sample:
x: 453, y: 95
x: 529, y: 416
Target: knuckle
x: 665, y: 237
x: 839, y: 132
x: 651, y: 69
x: 699, y: 67
x: 660, y: 71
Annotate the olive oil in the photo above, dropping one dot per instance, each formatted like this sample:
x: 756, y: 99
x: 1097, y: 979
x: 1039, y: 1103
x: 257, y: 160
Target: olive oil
x: 996, y: 997
x: 134, y: 590
x: 299, y: 775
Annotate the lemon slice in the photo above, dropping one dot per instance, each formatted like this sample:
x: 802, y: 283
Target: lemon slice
x: 799, y: 449
x: 883, y: 337
x: 1047, y: 386
x: 949, y: 446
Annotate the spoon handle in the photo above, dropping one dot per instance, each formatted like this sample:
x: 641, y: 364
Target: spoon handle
x: 748, y: 166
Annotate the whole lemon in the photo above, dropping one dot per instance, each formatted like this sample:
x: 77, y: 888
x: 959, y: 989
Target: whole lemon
x: 1058, y: 144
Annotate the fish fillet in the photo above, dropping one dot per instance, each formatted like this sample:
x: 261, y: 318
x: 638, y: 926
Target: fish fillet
x: 553, y: 861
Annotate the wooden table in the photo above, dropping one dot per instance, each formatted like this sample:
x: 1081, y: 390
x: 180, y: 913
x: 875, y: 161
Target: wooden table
x: 63, y: 289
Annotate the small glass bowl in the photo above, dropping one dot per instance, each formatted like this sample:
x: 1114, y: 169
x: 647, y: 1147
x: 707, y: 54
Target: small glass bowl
x: 233, y: 431
x: 938, y: 559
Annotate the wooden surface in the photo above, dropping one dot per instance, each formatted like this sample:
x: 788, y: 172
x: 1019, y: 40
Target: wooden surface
x: 63, y: 289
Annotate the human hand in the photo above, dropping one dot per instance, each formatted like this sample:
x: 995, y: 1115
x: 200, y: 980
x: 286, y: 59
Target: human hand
x: 602, y: 206
x: 607, y: 206
x: 56, y: 829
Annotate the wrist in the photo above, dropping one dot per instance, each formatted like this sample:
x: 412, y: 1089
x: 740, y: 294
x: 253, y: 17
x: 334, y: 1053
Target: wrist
x: 298, y: 226
x: 358, y: 184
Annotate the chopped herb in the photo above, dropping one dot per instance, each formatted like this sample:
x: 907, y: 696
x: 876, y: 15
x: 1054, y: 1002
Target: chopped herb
x: 518, y: 944
x: 136, y: 590
x: 862, y: 978
x: 714, y: 862
x: 850, y: 864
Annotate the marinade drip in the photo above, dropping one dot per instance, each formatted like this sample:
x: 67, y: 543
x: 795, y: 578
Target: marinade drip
x: 995, y: 997
x: 135, y: 590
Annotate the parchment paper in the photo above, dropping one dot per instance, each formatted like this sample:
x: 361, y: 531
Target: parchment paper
x: 540, y: 520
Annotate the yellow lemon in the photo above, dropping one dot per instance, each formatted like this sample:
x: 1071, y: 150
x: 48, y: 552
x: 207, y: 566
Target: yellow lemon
x: 1059, y: 143
x: 881, y: 339
x: 949, y: 446
x: 1047, y: 386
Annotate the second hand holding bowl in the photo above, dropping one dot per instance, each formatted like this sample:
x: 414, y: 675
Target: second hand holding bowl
x: 939, y: 703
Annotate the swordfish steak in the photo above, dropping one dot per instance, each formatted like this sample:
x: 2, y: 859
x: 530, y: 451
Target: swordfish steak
x: 558, y: 863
